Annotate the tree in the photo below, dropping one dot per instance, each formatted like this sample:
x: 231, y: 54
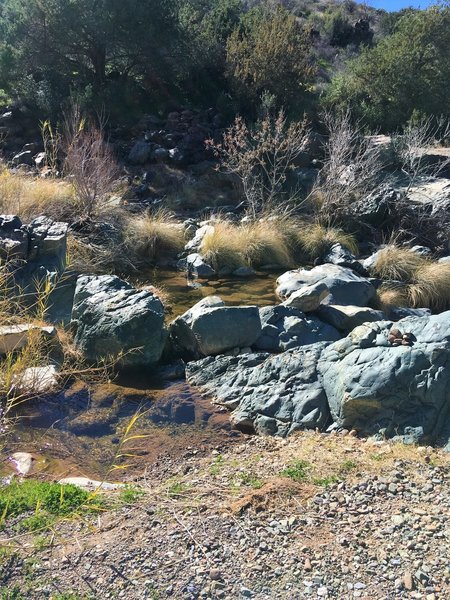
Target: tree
x: 270, y: 52
x: 407, y: 72
x: 72, y: 44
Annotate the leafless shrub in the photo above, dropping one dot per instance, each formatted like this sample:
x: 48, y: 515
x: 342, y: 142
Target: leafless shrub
x: 413, y: 146
x: 89, y: 161
x: 351, y: 167
x: 261, y: 157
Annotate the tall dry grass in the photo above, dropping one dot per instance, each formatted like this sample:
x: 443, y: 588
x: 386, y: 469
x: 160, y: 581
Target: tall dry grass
x: 153, y: 237
x: 428, y: 286
x: 314, y: 240
x: 29, y: 197
x: 397, y: 263
x: 278, y: 240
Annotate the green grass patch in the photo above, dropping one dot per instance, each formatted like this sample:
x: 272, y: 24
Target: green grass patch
x: 325, y: 481
x: 47, y: 500
x: 130, y: 494
x: 251, y: 480
x: 297, y: 470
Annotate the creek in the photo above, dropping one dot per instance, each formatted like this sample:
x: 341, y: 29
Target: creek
x: 80, y: 430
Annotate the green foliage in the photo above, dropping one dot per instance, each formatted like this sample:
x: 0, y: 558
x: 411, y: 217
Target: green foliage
x: 13, y: 594
x: 407, y: 71
x: 60, y: 47
x: 251, y: 480
x: 297, y: 470
x: 325, y: 481
x: 59, y: 500
x: 130, y: 494
x: 270, y: 52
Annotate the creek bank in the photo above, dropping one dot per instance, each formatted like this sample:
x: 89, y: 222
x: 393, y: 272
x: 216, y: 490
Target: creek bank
x: 234, y: 527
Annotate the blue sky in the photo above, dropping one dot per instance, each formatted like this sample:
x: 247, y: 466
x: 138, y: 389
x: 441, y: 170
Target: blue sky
x: 398, y: 4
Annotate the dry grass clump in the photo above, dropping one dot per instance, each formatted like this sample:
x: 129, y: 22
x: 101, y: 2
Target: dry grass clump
x: 153, y: 237
x: 314, y: 240
x: 431, y: 288
x: 29, y: 197
x: 266, y: 244
x: 223, y: 246
x: 398, y: 263
x: 252, y: 244
x: 428, y: 288
x: 390, y: 296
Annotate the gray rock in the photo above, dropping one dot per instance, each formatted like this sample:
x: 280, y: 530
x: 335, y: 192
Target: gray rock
x: 140, y: 153
x: 346, y: 318
x: 40, y: 159
x: 244, y: 272
x: 210, y: 328
x: 160, y: 154
x: 377, y: 388
x: 48, y: 242
x: 284, y: 328
x: 113, y: 319
x: 345, y: 286
x: 422, y: 251
x: 194, y: 244
x: 15, y: 337
x: 444, y: 259
x: 341, y: 256
x: 273, y: 395
x: 24, y: 158
x: 14, y: 242
x: 308, y: 298
x: 399, y: 312
x: 195, y: 265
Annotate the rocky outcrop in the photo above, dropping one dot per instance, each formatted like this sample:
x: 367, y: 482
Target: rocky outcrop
x: 284, y: 328
x: 308, y: 298
x: 111, y: 319
x: 364, y: 381
x: 210, y: 328
x: 272, y: 395
x: 345, y: 286
x: 392, y: 390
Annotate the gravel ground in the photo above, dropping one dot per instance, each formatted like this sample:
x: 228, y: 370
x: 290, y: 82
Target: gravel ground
x: 363, y: 520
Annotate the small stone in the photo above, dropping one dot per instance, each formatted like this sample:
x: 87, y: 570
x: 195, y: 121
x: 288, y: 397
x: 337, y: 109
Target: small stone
x: 307, y: 566
x: 215, y: 574
x: 408, y: 581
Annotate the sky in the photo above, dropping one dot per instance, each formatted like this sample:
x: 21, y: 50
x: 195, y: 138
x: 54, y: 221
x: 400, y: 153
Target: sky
x: 399, y: 4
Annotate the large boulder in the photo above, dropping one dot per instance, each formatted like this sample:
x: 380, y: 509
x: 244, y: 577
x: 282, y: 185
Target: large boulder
x: 113, y: 319
x: 345, y: 286
x: 272, y: 395
x: 284, y: 328
x: 391, y: 390
x: 210, y: 328
x: 346, y: 318
x: 308, y: 298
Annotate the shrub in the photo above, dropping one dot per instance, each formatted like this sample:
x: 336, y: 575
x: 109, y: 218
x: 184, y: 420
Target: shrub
x: 407, y: 71
x: 261, y: 157
x: 269, y: 51
x: 89, y: 162
x: 153, y: 237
